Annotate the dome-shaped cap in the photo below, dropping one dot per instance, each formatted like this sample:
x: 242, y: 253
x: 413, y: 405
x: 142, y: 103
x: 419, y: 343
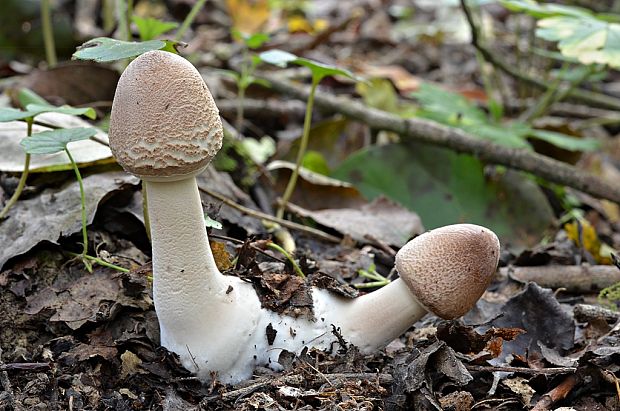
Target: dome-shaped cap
x: 164, y: 122
x: 448, y: 268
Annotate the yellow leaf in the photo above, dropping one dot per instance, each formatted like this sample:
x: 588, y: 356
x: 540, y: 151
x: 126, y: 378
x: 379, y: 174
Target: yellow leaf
x: 590, y: 240
x: 249, y: 16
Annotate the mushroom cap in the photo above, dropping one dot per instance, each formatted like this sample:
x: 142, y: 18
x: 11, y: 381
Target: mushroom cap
x: 448, y: 268
x: 164, y: 123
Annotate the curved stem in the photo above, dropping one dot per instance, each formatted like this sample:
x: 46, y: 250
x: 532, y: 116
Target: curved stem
x: 82, y: 201
x: 22, y: 180
x: 288, y: 256
x: 100, y: 262
x: 303, y: 145
x: 48, y: 33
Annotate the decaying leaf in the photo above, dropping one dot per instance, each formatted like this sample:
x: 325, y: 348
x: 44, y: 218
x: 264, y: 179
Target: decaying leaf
x: 55, y: 213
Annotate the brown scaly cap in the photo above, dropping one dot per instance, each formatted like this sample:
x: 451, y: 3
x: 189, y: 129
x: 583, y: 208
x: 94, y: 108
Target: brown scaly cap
x: 164, y: 121
x: 448, y: 268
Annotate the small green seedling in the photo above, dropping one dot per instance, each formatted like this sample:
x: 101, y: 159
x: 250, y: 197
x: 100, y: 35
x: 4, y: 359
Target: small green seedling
x: 377, y: 279
x: 54, y: 141
x: 245, y: 77
x: 35, y: 105
x: 319, y: 71
x: 150, y: 28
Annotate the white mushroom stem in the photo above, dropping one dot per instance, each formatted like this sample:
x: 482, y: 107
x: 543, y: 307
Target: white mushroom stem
x: 215, y: 322
x: 202, y: 313
x: 372, y: 320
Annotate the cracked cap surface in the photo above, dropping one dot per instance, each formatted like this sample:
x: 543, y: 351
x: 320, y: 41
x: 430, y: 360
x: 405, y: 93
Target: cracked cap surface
x: 448, y: 268
x: 164, y: 122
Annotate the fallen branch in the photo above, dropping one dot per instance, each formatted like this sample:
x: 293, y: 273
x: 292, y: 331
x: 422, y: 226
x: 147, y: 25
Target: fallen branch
x: 574, y: 278
x: 587, y: 313
x: 436, y: 134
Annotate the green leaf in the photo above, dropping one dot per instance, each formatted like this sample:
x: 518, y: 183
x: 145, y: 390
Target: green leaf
x: 315, y: 161
x: 454, y: 110
x: 539, y: 11
x: 565, y: 141
x: 53, y: 141
x: 12, y: 114
x: 252, y: 41
x: 256, y: 40
x: 150, y: 28
x: 444, y: 187
x: 32, y: 110
x: 27, y: 96
x: 48, y: 108
x: 211, y: 223
x: 282, y: 58
x: 105, y: 50
x: 587, y: 38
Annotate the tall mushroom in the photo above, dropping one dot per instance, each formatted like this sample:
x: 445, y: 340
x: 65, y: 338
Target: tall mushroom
x: 165, y: 128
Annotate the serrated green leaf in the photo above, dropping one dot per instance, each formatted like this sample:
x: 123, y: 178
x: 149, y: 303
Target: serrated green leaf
x: 150, y: 28
x: 590, y: 38
x: 53, y: 141
x: 565, y: 141
x: 282, y: 58
x: 587, y: 39
x: 105, y: 50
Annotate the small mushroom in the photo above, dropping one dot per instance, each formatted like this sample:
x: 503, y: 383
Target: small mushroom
x: 165, y: 128
x: 443, y: 271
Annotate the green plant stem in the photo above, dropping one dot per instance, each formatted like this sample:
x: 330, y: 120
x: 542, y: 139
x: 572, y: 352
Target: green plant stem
x: 100, y: 262
x: 82, y: 200
x: 48, y: 33
x: 239, y: 119
x: 378, y: 279
x: 107, y: 13
x: 554, y: 94
x: 124, y: 9
x: 189, y: 19
x: 288, y: 256
x: 303, y: 145
x: 23, y: 178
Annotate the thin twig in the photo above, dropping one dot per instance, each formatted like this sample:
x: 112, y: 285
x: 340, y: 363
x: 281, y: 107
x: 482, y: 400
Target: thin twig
x: 522, y: 370
x: 436, y: 134
x: 558, y: 393
x: 574, y: 278
x: 260, y: 215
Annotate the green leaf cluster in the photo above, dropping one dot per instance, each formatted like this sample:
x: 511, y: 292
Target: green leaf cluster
x: 454, y: 110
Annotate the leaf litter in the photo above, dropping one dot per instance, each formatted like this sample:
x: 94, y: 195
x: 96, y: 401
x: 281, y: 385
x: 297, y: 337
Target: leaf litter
x: 70, y: 339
